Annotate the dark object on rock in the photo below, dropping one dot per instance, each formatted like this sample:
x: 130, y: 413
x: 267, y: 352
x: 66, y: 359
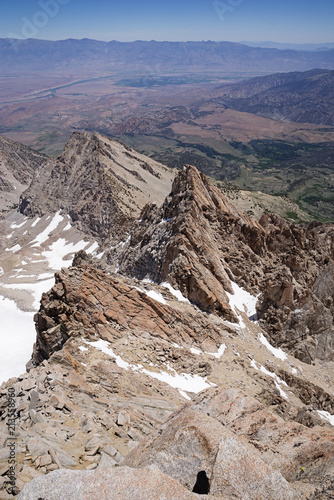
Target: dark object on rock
x: 202, y: 485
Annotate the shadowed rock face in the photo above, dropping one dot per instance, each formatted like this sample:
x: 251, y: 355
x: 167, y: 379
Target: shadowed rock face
x: 18, y: 165
x: 199, y: 242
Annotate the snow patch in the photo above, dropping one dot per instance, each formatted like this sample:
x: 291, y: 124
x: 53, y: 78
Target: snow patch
x: 277, y: 352
x: 123, y: 243
x: 175, y: 292
x: 193, y: 350
x: 242, y: 301
x: 43, y: 236
x: 36, y: 289
x: 58, y: 251
x: 277, y: 380
x: 155, y: 296
x: 94, y: 246
x: 166, y: 220
x: 36, y: 221
x: 326, y: 416
x: 220, y: 352
x: 16, y: 248
x: 184, y: 395
x: 17, y: 336
x: 44, y: 276
x: 17, y: 226
x: 183, y: 381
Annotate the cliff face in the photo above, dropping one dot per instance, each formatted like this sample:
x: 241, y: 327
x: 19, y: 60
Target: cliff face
x: 153, y: 359
x: 200, y: 243
x: 18, y: 164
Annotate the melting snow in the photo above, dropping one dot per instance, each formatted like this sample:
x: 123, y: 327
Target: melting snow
x: 242, y: 301
x: 220, y: 352
x: 17, y: 336
x: 277, y: 352
x: 92, y: 248
x: 43, y: 236
x: 277, y: 380
x: 183, y: 381
x: 123, y: 243
x: 43, y: 276
x: 282, y: 393
x: 156, y: 296
x: 58, y: 251
x: 36, y: 221
x: 326, y: 416
x: 174, y: 292
x: 166, y: 220
x: 36, y: 290
x: 184, y: 395
x: 17, y: 226
x: 16, y: 248
x: 198, y: 352
x: 67, y: 227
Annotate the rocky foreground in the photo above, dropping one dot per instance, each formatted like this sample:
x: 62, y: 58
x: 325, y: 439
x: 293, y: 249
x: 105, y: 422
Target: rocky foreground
x: 196, y: 358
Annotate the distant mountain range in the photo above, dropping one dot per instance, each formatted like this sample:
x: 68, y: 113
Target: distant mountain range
x: 306, y: 97
x: 155, y: 57
x: 292, y: 46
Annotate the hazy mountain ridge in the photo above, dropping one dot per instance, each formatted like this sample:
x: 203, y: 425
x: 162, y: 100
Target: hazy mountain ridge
x: 306, y: 97
x: 154, y: 56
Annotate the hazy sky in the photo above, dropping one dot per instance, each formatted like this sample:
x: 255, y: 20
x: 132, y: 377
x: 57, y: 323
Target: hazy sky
x: 296, y: 21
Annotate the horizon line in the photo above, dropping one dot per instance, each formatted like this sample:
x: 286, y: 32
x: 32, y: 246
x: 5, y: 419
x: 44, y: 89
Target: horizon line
x: 170, y: 41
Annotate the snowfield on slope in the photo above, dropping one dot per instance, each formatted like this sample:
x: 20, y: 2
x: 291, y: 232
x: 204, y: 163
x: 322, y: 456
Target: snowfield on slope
x: 50, y: 248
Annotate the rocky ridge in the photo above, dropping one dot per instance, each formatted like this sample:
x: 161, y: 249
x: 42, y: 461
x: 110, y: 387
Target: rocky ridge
x: 202, y: 244
x: 154, y: 358
x: 112, y: 362
x: 99, y: 182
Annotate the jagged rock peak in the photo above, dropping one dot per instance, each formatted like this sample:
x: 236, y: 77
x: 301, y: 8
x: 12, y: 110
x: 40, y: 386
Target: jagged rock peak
x: 180, y: 242
x: 200, y: 244
x: 99, y: 182
x: 192, y: 187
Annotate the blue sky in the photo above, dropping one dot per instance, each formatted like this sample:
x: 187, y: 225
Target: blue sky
x: 294, y: 21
